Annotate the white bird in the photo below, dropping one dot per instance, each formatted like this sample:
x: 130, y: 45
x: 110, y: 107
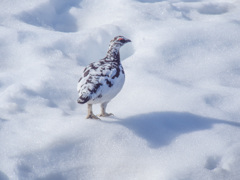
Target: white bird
x: 101, y: 81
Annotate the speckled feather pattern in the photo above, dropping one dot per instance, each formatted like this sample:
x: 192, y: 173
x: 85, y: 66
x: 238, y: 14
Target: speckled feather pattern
x: 101, y: 81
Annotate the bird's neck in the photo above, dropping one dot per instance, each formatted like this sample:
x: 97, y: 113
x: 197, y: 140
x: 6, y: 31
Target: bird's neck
x: 113, y: 53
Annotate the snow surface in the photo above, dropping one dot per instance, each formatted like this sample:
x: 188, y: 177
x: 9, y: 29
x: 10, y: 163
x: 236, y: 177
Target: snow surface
x: 176, y: 118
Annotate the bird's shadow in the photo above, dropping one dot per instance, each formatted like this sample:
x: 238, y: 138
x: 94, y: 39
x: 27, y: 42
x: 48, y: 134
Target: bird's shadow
x: 161, y: 128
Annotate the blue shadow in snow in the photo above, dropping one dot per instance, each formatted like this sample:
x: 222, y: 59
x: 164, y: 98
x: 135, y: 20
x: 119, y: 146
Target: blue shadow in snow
x: 54, y: 15
x: 160, y: 128
x: 1, y: 123
x: 3, y: 176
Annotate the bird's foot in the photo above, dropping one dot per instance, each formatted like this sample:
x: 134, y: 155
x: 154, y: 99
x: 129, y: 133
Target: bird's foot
x: 92, y: 116
x: 105, y: 114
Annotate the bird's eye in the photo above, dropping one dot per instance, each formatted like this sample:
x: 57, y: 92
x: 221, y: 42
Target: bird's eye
x: 121, y: 40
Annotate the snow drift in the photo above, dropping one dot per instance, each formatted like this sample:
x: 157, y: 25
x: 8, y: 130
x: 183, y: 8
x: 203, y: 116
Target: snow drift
x: 177, y: 116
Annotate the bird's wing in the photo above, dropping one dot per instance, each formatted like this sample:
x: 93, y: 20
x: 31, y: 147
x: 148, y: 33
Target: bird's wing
x: 93, y: 82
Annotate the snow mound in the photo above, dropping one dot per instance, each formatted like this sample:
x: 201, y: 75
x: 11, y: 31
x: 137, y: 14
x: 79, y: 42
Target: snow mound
x: 177, y: 116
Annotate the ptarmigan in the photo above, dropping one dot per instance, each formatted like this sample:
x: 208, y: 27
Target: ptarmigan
x: 101, y: 81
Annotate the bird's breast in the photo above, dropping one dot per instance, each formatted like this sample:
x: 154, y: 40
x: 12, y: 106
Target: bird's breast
x: 114, y: 88
x: 109, y: 89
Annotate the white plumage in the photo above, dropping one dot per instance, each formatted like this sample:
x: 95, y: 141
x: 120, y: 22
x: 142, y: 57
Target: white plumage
x: 101, y: 81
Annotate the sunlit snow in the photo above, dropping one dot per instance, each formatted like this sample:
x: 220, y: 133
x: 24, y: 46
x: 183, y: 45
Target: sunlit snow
x: 176, y: 118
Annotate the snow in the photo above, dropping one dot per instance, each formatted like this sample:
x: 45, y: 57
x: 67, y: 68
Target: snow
x: 176, y: 118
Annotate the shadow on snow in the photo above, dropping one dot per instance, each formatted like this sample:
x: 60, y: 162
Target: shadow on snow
x: 3, y: 176
x: 53, y: 15
x: 160, y: 128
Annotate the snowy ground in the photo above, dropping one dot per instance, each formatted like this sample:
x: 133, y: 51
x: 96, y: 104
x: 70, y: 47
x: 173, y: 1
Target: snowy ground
x: 177, y: 117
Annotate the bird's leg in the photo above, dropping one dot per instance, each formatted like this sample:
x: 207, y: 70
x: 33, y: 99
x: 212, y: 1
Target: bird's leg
x: 103, y: 110
x: 90, y: 113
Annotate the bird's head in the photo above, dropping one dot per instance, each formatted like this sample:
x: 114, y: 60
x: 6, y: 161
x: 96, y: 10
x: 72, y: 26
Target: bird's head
x: 119, y: 41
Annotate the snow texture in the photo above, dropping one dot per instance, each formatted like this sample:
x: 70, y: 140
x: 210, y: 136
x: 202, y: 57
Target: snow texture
x: 176, y: 118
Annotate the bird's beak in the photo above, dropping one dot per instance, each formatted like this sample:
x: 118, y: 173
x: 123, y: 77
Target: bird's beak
x: 127, y: 40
